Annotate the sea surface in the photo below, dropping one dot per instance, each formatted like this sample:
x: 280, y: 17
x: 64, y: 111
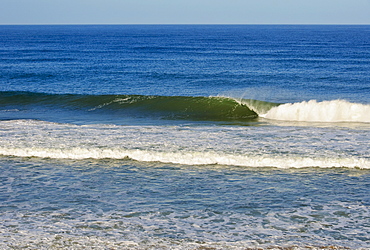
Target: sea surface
x: 185, y: 137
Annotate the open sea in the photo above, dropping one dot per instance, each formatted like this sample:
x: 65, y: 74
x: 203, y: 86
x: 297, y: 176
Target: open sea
x: 185, y: 137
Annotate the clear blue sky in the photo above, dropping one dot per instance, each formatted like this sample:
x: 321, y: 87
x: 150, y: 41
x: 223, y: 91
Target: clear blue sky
x: 184, y: 11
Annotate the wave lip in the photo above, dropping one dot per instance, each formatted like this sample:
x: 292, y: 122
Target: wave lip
x: 325, y: 111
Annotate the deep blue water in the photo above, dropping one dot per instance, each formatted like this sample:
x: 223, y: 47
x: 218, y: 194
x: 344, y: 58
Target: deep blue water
x: 184, y: 137
x: 316, y: 62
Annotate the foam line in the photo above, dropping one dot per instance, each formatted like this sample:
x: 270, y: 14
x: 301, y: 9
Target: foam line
x: 187, y: 158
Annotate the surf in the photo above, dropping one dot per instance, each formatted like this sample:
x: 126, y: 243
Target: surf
x: 252, y: 146
x: 195, y: 108
x: 326, y: 111
x: 187, y: 157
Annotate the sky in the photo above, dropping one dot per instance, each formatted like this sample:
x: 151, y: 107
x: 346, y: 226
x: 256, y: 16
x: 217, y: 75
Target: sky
x: 184, y: 11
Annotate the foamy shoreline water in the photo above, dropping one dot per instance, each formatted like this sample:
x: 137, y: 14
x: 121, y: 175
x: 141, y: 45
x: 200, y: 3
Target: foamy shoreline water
x: 125, y: 204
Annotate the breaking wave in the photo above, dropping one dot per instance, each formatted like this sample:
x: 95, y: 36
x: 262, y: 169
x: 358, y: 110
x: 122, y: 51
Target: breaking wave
x: 326, y: 111
x: 163, y: 107
x: 214, y: 108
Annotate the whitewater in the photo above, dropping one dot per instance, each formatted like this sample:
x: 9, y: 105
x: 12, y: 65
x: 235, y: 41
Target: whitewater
x: 325, y: 111
x: 284, y: 147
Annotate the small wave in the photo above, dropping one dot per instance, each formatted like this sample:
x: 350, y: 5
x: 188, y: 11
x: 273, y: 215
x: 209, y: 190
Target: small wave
x: 10, y: 110
x: 187, y: 158
x: 326, y: 111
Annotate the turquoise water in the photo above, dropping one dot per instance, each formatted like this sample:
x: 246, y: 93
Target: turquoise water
x: 184, y: 137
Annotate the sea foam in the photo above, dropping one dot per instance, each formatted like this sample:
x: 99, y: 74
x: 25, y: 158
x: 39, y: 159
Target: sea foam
x: 250, y: 146
x: 188, y: 158
x: 326, y: 111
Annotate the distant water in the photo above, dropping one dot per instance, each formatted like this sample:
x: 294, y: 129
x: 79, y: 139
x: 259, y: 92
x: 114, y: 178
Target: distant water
x: 185, y: 137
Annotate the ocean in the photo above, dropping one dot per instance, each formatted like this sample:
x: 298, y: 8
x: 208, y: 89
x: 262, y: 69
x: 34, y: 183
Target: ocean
x: 185, y: 137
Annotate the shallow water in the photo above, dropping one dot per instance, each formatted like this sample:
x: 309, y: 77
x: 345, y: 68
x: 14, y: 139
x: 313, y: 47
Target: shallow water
x: 123, y: 203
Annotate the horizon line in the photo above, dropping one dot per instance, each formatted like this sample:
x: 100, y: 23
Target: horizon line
x: 329, y: 24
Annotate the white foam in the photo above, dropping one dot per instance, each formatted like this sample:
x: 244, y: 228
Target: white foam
x: 188, y: 158
x: 326, y: 111
x: 260, y: 146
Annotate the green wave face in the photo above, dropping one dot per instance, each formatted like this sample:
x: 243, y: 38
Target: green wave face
x: 161, y: 107
x: 181, y: 107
